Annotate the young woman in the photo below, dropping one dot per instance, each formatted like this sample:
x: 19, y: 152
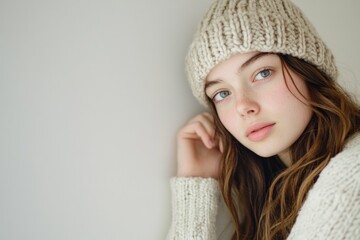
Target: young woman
x: 281, y: 141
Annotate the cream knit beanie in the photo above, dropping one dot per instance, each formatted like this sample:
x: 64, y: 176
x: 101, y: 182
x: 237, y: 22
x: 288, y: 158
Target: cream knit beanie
x: 239, y: 26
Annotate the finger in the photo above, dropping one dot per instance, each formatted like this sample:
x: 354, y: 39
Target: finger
x: 197, y: 130
x: 221, y: 146
x: 204, y: 120
x: 209, y: 116
x: 203, y: 116
x: 219, y: 143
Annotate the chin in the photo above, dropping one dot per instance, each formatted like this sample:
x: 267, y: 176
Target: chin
x: 265, y: 154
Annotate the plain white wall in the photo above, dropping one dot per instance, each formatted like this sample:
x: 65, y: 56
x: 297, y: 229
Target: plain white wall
x: 92, y: 94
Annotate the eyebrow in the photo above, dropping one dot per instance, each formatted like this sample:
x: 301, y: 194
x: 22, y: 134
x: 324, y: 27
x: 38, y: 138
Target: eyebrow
x: 252, y: 59
x: 241, y: 68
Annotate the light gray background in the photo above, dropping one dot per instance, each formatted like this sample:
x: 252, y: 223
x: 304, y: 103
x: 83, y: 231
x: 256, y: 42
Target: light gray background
x: 92, y: 94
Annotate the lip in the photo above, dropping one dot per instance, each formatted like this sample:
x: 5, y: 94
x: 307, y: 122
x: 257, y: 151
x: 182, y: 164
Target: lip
x: 258, y: 131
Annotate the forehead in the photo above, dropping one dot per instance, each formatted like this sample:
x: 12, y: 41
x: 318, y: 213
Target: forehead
x: 238, y: 62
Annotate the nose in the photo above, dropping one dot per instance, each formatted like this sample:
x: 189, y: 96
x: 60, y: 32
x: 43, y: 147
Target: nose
x: 246, y: 106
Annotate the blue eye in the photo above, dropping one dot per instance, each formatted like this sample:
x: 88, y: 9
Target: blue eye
x: 220, y: 96
x: 263, y: 74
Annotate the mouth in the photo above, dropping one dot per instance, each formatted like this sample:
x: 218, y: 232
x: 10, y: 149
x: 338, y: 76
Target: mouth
x: 258, y: 132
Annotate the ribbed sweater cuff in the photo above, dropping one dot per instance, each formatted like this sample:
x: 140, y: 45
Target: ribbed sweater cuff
x: 194, y: 205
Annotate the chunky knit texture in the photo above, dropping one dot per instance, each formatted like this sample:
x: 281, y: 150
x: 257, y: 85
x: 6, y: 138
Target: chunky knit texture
x: 195, y: 205
x: 240, y: 26
x: 331, y: 210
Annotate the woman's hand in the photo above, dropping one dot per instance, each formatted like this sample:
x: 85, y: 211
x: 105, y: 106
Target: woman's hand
x: 198, y: 150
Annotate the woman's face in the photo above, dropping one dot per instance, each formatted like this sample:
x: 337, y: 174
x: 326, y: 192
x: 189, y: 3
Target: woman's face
x: 255, y: 105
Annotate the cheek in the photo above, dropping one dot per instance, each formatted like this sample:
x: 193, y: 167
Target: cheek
x: 280, y: 98
x: 228, y: 120
x: 276, y: 100
x: 291, y: 106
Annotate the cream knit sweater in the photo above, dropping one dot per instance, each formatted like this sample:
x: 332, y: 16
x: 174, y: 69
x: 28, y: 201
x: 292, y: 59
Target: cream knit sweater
x: 331, y: 210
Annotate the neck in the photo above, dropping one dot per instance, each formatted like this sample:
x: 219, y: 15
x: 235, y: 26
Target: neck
x: 285, y: 158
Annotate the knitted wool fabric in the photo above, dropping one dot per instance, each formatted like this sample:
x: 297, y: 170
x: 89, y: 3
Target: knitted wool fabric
x: 240, y: 26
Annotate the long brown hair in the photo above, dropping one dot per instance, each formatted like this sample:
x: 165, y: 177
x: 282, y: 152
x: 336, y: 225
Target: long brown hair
x: 262, y: 195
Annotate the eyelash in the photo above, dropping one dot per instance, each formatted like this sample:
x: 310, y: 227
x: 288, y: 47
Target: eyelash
x: 263, y: 70
x: 259, y: 72
x: 217, y: 93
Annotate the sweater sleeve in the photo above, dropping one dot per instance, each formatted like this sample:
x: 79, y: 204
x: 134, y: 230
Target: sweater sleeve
x: 194, y: 208
x: 332, y: 208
